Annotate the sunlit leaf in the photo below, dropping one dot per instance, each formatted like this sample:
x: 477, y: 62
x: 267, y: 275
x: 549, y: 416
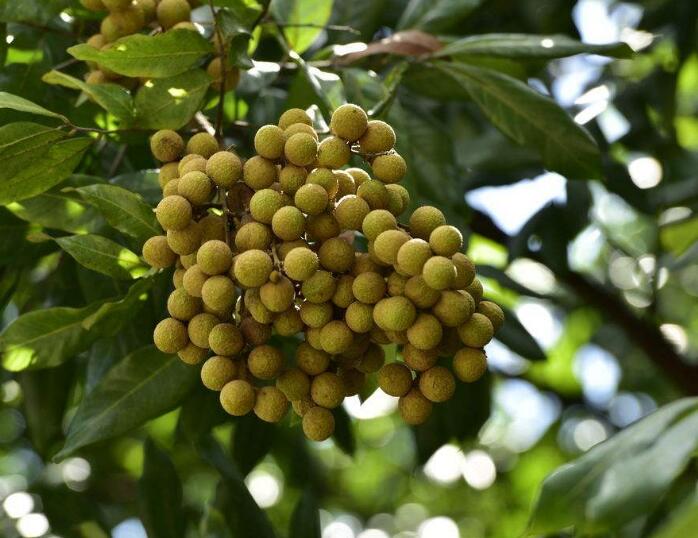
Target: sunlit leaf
x: 20, y: 104
x: 102, y: 255
x: 303, y: 20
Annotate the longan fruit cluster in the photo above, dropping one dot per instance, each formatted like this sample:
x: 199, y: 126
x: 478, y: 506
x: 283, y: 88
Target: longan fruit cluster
x: 127, y: 17
x: 282, y: 256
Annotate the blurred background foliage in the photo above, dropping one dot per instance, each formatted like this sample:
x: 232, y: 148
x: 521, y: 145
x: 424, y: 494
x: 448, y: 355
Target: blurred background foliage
x: 591, y: 246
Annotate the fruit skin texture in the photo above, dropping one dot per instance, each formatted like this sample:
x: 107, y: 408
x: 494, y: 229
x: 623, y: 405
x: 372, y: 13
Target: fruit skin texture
x: 217, y: 371
x: 477, y: 331
x: 253, y: 235
x: 264, y: 204
x: 437, y: 384
x: 379, y: 137
x: 336, y: 255
x: 193, y: 280
x: 301, y: 149
x: 170, y: 335
x: 237, y: 397
x: 301, y: 263
x: 414, y: 408
x: 388, y: 243
x: 389, y: 168
x: 214, y: 257
x: 182, y: 306
x: 425, y: 220
x: 157, y: 252
x: 294, y: 383
x: 195, y: 187
x: 333, y: 152
x: 454, y: 308
x: 425, y: 333
x: 327, y: 390
x: 269, y: 142
x: 311, y: 199
x: 310, y: 360
x: 173, y: 212
x: 294, y: 115
x: 252, y: 268
x: 369, y: 288
x: 377, y: 222
x: 395, y: 379
x: 318, y: 423
x: 359, y: 317
x: 439, y: 273
x: 170, y: 12
x: 265, y: 362
x: 192, y: 354
x: 166, y: 145
x: 350, y: 212
x: 224, y: 168
x: 465, y: 270
x: 412, y: 256
x: 226, y: 339
x: 259, y: 173
x: 292, y: 177
x: 336, y: 337
x: 446, y: 240
x: 349, y: 122
x: 200, y: 327
x: 288, y: 223
x: 394, y: 314
x: 271, y: 404
x: 417, y: 359
x: 319, y: 288
x: 469, y: 364
x: 375, y: 193
x: 493, y: 312
x: 277, y: 294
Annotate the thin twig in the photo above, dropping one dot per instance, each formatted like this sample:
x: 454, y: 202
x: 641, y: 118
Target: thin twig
x: 117, y: 160
x: 334, y: 27
x: 224, y: 72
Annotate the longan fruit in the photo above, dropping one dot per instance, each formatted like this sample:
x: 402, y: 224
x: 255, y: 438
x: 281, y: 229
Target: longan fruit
x: 200, y: 327
x: 256, y: 308
x: 493, y: 312
x: 378, y: 137
x: 238, y: 397
x: 395, y: 379
x: 217, y: 371
x: 202, y: 144
x: 170, y: 335
x: 336, y: 337
x: 465, y: 270
x: 301, y: 149
x: 171, y: 187
x: 265, y: 362
x: 359, y: 317
x: 252, y: 268
x: 195, y: 187
x: 475, y: 290
x: 318, y: 423
x: 417, y: 359
x: 469, y: 364
x: 353, y: 381
x: 253, y: 235
x: 254, y: 332
x: 269, y: 142
x: 93, y: 5
x: 446, y: 240
x: 149, y: 9
x: 168, y: 172
x: 319, y: 288
x: 294, y: 115
x: 412, y: 256
x: 264, y: 204
x: 414, y: 408
x: 259, y: 173
x: 122, y: 23
x: 226, y: 339
x: 186, y: 240
x: 193, y: 280
x: 369, y: 288
x: 336, y: 255
x: 396, y: 283
x: 300, y: 407
x: 166, y: 145
x: 218, y: 293
x: 388, y: 243
x: 311, y: 360
x: 439, y: 273
x: 450, y: 343
x: 224, y: 168
x: 477, y: 331
x: 271, y: 405
x: 277, y: 294
x: 377, y: 222
x: 326, y: 178
x: 327, y: 390
x: 343, y: 295
x: 394, y: 314
x: 350, y: 212
x: 292, y: 177
x: 214, y: 257
x: 192, y: 354
x: 375, y: 193
x: 316, y: 315
x: 348, y: 122
x: 321, y: 227
x: 454, y: 308
x: 212, y: 228
x: 425, y: 220
x: 178, y: 278
x: 294, y: 383
x: 372, y: 359
x: 299, y: 128
x: 223, y: 75
x: 345, y: 183
x: 288, y: 223
x: 397, y: 337
x: 301, y: 263
x: 426, y: 332
x: 333, y: 152
x: 157, y: 252
x: 437, y: 384
x: 364, y: 264
x: 289, y: 322
x: 389, y: 168
x: 311, y: 198
x: 182, y: 306
x: 358, y: 174
x: 192, y: 163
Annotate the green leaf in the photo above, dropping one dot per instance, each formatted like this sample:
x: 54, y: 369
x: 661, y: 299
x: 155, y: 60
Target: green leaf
x: 435, y: 15
x: 113, y: 98
x: 515, y: 336
x: 102, y: 255
x: 35, y: 158
x: 297, y: 13
x: 529, y: 46
x: 144, y: 182
x: 343, y: 433
x: 160, y: 494
x: 170, y: 103
x: 14, y: 102
x: 682, y: 522
x: 531, y: 119
x: 158, y: 56
x: 36, y: 11
x: 113, y: 315
x: 123, y: 209
x: 247, y: 455
x: 622, y: 478
x: 679, y: 236
x: 305, y: 521
x: 144, y: 385
x: 58, y: 211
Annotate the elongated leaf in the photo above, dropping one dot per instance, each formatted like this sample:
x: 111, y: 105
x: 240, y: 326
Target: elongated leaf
x: 247, y: 455
x: 531, y: 119
x: 112, y: 315
x: 58, y: 211
x: 102, y: 255
x: 14, y: 102
x: 160, y: 494
x: 529, y: 46
x: 305, y: 521
x: 123, y: 209
x: 170, y: 103
x: 143, y: 386
x: 435, y: 15
x: 296, y: 14
x: 36, y: 11
x: 620, y: 479
x: 111, y: 97
x: 162, y: 55
x: 682, y: 522
x: 46, y: 162
x: 343, y: 432
x: 515, y: 336
x: 144, y: 182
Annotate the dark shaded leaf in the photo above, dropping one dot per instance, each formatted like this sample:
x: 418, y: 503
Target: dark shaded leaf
x: 305, y: 19
x: 247, y: 453
x: 343, y: 432
x: 435, y: 15
x: 515, y: 336
x: 305, y: 521
x: 20, y: 104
